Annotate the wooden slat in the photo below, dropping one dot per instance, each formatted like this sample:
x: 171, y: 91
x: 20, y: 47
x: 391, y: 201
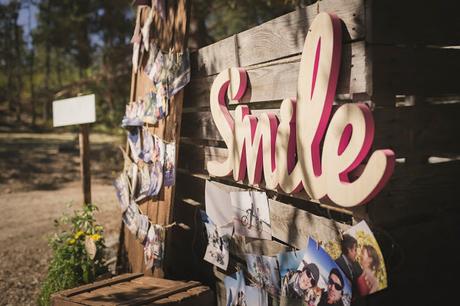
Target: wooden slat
x: 416, y: 193
x: 411, y: 194
x: 428, y: 129
x: 293, y: 225
x: 435, y: 239
x: 107, y: 282
x: 408, y: 70
x: 412, y: 22
x: 280, y: 37
x: 278, y: 79
x: 160, y: 294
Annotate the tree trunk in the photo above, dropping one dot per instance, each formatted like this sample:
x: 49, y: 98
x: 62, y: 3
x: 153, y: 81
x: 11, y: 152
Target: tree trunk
x: 31, y: 68
x: 58, y: 66
x: 18, y: 66
x: 47, y: 64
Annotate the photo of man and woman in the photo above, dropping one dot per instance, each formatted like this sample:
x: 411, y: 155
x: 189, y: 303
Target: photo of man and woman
x: 362, y: 261
x: 311, y: 277
x: 334, y: 285
x: 296, y: 284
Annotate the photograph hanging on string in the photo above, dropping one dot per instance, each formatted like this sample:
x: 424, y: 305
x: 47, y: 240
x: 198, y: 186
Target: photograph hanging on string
x: 143, y: 228
x: 148, y: 145
x: 154, y: 246
x: 332, y: 287
x: 217, y: 250
x: 235, y: 289
x: 219, y: 205
x: 251, y: 214
x: 264, y: 272
x: 238, y: 294
x: 132, y: 174
x: 293, y: 282
x: 170, y: 167
x: 134, y: 141
x: 362, y: 260
x: 144, y: 182
x: 131, y: 218
x: 121, y: 185
x: 133, y: 114
x: 156, y: 169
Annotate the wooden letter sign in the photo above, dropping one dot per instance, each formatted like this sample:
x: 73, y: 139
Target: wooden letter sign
x: 269, y: 144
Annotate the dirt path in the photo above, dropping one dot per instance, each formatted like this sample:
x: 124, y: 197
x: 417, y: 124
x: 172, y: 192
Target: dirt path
x: 39, y: 178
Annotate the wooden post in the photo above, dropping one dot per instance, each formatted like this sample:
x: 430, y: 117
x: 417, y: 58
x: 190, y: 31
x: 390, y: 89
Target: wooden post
x: 85, y: 163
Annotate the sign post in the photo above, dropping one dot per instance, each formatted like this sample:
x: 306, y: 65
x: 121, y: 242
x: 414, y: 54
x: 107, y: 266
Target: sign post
x: 79, y: 110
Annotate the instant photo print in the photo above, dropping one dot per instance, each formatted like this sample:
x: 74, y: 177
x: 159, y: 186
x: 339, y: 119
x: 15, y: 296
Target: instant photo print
x: 154, y: 246
x: 331, y: 287
x: 363, y: 262
x: 170, y: 164
x: 217, y: 250
x: 251, y: 214
x: 264, y: 271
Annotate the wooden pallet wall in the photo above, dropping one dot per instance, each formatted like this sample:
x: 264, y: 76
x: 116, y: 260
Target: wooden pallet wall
x: 395, y: 57
x: 169, y: 33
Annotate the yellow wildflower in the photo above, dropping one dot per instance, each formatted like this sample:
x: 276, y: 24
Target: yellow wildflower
x: 72, y: 241
x: 96, y: 237
x: 79, y: 234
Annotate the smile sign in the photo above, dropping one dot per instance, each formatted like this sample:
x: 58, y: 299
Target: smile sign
x: 286, y: 150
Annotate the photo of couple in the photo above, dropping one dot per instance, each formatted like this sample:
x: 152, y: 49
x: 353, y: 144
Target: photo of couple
x: 362, y: 261
x: 310, y: 277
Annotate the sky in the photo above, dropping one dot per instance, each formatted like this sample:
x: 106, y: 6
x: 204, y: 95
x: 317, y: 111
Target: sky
x: 24, y: 16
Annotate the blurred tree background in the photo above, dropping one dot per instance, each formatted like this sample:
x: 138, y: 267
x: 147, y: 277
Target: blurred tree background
x: 53, y: 49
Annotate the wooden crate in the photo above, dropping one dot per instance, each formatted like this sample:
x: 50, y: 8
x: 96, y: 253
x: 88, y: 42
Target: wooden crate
x: 136, y: 289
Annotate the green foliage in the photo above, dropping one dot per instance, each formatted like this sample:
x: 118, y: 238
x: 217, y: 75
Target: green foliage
x: 333, y: 249
x: 66, y: 47
x: 71, y: 264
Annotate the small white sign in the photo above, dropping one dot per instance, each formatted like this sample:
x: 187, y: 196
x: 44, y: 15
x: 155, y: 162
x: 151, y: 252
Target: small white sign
x: 76, y: 110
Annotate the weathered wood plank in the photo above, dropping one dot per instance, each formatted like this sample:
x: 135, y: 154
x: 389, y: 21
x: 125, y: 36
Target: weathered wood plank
x: 412, y: 22
x: 278, y: 79
x: 373, y: 71
x: 416, y: 193
x: 409, y: 70
x: 429, y: 129
x: 411, y: 194
x: 293, y: 226
x: 415, y: 245
x: 93, y: 286
x: 281, y: 37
